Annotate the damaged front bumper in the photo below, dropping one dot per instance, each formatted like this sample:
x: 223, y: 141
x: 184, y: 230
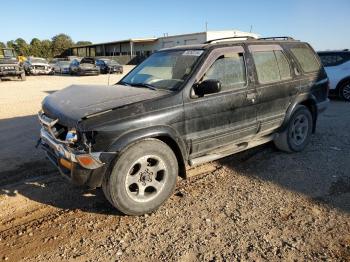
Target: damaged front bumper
x: 79, y: 167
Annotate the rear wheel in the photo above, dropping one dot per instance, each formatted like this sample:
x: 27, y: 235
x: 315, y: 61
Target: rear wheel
x: 143, y: 177
x: 344, y: 91
x: 298, y: 132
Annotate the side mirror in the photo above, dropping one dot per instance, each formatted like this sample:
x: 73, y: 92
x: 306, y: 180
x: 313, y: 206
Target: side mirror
x: 207, y: 87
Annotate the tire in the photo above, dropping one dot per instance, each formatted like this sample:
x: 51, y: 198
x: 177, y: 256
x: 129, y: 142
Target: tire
x: 142, y: 178
x: 23, y: 76
x: 344, y: 91
x: 297, y: 134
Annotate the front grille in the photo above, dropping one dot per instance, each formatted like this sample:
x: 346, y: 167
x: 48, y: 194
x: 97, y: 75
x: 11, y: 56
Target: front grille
x: 40, y: 67
x: 8, y: 68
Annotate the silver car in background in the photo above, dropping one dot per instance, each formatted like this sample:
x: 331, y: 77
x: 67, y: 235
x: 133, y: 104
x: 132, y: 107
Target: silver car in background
x: 61, y: 67
x: 37, y: 66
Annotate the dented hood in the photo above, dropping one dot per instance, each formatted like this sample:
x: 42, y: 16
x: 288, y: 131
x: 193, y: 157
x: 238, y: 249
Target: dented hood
x: 75, y: 102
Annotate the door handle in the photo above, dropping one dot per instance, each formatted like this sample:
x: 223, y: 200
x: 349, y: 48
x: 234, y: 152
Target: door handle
x: 251, y: 97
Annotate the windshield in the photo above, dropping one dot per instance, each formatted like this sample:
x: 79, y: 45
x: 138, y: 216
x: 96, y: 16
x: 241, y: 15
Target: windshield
x: 110, y: 62
x: 8, y: 53
x: 87, y: 61
x: 64, y: 63
x: 38, y: 60
x: 165, y: 69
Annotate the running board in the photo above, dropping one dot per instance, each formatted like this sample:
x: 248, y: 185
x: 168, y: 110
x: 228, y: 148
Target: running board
x: 229, y: 150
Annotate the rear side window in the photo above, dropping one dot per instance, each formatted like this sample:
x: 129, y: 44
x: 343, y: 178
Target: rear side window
x: 271, y: 66
x: 306, y: 59
x: 331, y: 59
x: 229, y: 69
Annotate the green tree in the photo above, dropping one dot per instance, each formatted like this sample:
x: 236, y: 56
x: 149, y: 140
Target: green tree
x: 35, y: 47
x: 10, y: 44
x: 21, y: 47
x: 60, y: 43
x: 2, y: 45
x: 83, y: 43
x: 46, y: 49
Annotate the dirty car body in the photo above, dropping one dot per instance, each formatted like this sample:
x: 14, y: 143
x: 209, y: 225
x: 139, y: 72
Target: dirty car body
x: 37, y: 66
x: 9, y: 65
x: 86, y: 128
x: 86, y: 66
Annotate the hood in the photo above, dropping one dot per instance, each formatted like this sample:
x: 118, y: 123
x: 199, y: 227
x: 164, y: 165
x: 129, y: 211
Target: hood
x: 75, y: 102
x: 8, y: 61
x: 87, y: 65
x: 39, y: 64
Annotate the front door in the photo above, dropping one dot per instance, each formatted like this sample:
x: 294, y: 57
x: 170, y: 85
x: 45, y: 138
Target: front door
x: 220, y: 119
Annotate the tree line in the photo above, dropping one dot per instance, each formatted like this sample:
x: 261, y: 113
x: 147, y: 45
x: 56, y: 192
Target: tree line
x: 56, y: 46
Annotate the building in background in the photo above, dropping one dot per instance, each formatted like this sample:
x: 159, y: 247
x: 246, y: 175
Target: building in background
x: 132, y: 51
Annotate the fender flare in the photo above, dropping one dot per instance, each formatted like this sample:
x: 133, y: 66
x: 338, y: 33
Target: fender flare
x: 309, y: 101
x: 164, y: 133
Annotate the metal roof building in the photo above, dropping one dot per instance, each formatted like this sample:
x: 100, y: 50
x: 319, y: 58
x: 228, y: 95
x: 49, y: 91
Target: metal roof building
x: 132, y: 51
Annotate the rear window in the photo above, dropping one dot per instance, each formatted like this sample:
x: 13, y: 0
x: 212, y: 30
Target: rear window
x: 271, y: 66
x: 306, y: 58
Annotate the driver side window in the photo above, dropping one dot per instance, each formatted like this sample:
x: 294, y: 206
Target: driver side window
x: 229, y: 69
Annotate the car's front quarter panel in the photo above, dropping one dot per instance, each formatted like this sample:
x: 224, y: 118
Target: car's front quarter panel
x: 164, y: 113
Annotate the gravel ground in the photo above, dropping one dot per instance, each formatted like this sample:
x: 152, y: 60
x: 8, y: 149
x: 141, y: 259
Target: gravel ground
x: 261, y: 205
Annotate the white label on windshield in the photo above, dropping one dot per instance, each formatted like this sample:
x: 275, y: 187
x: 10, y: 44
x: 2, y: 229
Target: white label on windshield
x: 193, y: 52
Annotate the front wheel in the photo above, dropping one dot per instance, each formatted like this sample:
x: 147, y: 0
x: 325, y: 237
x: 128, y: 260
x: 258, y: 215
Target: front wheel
x: 143, y: 177
x: 298, y: 132
x: 344, y: 91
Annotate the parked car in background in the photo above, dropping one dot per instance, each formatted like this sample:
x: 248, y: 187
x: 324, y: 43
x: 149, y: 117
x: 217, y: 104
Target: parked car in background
x: 86, y: 66
x: 61, y: 67
x: 9, y: 65
x: 183, y: 106
x: 37, y: 66
x: 109, y: 66
x: 337, y: 66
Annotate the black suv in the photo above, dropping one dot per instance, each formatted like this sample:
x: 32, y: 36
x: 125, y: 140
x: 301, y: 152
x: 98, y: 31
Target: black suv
x: 181, y: 107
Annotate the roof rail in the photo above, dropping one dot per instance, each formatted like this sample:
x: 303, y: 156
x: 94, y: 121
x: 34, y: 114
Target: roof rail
x: 277, y: 38
x: 227, y: 38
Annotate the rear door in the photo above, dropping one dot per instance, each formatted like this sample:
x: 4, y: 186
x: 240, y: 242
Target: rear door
x: 276, y: 85
x: 223, y: 118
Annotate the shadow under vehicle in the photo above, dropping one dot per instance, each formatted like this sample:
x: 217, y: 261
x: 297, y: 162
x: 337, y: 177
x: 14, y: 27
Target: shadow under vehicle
x: 186, y: 105
x: 9, y: 65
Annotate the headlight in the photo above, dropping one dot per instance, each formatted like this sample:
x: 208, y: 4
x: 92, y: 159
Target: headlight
x: 72, y: 136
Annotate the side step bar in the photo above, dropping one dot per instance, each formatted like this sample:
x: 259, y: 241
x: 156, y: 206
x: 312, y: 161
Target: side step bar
x: 229, y: 150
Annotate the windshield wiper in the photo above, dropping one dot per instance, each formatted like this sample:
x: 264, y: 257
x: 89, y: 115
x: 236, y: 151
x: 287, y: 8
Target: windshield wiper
x: 143, y: 85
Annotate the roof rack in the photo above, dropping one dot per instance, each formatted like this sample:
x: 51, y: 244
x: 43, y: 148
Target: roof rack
x: 277, y: 38
x: 227, y: 38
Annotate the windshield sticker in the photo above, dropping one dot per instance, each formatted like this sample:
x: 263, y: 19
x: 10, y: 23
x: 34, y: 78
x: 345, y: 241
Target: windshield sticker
x: 193, y: 52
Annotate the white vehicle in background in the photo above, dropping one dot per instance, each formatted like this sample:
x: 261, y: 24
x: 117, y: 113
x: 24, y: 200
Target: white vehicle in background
x: 37, y: 66
x: 337, y: 66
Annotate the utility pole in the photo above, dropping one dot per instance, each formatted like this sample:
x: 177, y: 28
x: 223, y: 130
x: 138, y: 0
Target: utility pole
x: 251, y: 28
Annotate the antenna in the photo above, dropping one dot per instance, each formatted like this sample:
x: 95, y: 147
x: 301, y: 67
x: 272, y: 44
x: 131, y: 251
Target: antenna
x: 251, y: 28
x: 206, y: 26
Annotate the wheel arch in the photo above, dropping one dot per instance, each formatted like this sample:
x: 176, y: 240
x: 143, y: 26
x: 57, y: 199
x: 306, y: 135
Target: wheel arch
x: 165, y: 134
x: 307, y: 100
x: 341, y: 82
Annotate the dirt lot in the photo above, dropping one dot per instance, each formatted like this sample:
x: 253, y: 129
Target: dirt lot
x: 257, y: 205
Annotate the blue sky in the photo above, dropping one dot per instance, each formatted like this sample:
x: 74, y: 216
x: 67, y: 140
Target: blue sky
x: 324, y: 24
